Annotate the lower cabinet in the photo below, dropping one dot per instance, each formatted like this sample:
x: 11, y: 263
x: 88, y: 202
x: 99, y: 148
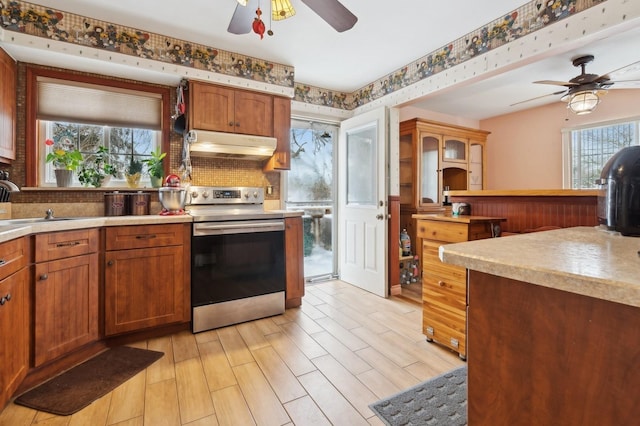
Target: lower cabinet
x: 146, y: 277
x: 66, y: 293
x: 294, y: 261
x: 14, y: 332
x: 444, y: 286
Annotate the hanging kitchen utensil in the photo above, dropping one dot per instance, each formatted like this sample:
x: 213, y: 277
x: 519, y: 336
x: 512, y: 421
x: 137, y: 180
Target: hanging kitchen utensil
x: 180, y: 123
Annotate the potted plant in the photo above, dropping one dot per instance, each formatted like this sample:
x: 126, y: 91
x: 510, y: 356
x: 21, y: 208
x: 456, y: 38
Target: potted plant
x: 65, y: 158
x: 155, y: 168
x: 97, y: 172
x: 133, y: 173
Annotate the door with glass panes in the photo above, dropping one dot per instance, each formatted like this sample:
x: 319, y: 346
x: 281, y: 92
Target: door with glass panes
x: 309, y: 186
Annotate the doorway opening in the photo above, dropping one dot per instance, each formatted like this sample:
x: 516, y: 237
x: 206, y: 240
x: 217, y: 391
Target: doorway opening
x: 310, y: 187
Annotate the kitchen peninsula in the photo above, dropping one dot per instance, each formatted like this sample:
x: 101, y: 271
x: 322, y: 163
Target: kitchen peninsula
x: 553, y: 334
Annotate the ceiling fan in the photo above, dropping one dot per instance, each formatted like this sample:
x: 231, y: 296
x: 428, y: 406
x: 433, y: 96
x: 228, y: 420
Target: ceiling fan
x: 583, y: 91
x: 247, y: 15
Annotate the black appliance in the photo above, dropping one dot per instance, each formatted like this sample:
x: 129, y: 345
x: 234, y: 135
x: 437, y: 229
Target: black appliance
x: 619, y: 196
x: 237, y: 257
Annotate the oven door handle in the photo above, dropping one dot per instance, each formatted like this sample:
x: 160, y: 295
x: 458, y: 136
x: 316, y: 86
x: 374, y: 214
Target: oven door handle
x: 212, y: 228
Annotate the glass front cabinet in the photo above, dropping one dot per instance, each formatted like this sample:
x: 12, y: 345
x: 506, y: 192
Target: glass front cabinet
x: 434, y: 156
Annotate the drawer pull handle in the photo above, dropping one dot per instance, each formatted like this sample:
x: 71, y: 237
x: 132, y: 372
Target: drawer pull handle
x: 68, y: 244
x: 44, y: 277
x: 441, y: 283
x: 110, y: 263
x: 5, y: 299
x: 145, y: 237
x: 2, y: 262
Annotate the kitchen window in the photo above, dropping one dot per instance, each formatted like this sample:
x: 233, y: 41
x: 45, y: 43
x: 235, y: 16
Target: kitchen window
x: 122, y: 145
x: 128, y: 119
x: 587, y: 149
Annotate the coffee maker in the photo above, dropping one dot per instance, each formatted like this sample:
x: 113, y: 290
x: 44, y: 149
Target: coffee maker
x: 619, y: 192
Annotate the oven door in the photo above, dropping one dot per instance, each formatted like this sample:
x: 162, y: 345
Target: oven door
x: 236, y: 260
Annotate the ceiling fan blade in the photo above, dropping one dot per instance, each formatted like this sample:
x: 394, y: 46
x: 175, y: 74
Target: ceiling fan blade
x: 539, y: 97
x: 334, y: 13
x: 556, y: 83
x: 243, y: 18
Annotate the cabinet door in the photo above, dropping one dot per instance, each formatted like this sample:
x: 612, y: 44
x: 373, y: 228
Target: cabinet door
x: 7, y: 106
x: 430, y: 173
x: 66, y: 306
x: 253, y: 113
x: 454, y: 149
x: 476, y: 166
x: 295, y: 261
x: 143, y: 288
x: 14, y: 333
x: 211, y: 107
x: 281, y: 159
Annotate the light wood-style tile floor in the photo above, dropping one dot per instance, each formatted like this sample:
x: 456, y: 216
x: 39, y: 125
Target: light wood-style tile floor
x: 320, y: 364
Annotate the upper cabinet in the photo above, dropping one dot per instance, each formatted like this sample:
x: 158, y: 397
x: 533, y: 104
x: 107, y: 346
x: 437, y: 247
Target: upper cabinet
x: 223, y: 109
x: 8, y: 72
x: 435, y: 156
x: 281, y: 159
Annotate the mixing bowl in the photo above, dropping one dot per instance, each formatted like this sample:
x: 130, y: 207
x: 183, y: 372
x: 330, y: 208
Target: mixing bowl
x: 172, y: 198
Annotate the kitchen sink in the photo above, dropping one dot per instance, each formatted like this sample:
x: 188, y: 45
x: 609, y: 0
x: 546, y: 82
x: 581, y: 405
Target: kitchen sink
x: 29, y: 220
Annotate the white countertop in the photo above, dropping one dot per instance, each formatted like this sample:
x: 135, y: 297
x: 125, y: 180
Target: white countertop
x: 582, y: 260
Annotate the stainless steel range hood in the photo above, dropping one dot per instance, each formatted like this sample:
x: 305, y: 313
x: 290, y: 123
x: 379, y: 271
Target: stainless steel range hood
x: 204, y: 143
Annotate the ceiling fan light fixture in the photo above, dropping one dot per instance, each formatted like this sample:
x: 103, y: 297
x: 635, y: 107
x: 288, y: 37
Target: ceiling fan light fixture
x: 281, y: 9
x: 242, y: 2
x: 583, y: 102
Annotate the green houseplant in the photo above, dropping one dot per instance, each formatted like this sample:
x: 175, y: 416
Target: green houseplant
x: 65, y: 158
x: 155, y: 167
x: 98, y: 171
x: 133, y: 173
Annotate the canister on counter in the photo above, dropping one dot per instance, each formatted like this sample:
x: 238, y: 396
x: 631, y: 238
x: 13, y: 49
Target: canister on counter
x: 115, y: 204
x: 139, y: 203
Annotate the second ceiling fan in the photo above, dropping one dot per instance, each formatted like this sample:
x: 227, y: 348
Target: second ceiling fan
x: 582, y: 92
x: 247, y: 15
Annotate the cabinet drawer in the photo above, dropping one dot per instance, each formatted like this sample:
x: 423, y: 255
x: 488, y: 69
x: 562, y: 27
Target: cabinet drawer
x: 449, y: 293
x: 14, y: 255
x: 58, y: 245
x: 132, y: 237
x: 445, y: 327
x: 449, y: 232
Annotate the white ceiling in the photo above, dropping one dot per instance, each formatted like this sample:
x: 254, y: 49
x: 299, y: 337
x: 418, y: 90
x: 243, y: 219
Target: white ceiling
x: 387, y: 36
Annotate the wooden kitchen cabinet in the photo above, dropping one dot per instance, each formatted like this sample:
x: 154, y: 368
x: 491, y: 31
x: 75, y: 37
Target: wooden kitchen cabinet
x: 146, y: 277
x: 14, y: 316
x: 444, y: 286
x: 223, y: 109
x: 434, y: 156
x: 281, y: 159
x: 66, y: 292
x: 294, y: 252
x: 8, y: 75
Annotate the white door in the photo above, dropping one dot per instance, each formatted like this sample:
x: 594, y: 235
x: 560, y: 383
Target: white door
x: 362, y: 201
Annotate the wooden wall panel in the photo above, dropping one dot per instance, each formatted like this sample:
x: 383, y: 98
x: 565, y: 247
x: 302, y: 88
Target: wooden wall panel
x: 531, y: 212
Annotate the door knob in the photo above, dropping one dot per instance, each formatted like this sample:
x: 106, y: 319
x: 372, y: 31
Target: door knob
x: 380, y: 216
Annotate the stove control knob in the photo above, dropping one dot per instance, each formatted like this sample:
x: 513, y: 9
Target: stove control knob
x: 255, y: 194
x: 205, y: 194
x: 194, y: 194
x: 246, y: 195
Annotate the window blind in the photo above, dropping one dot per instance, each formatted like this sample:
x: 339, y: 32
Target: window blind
x: 76, y: 102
